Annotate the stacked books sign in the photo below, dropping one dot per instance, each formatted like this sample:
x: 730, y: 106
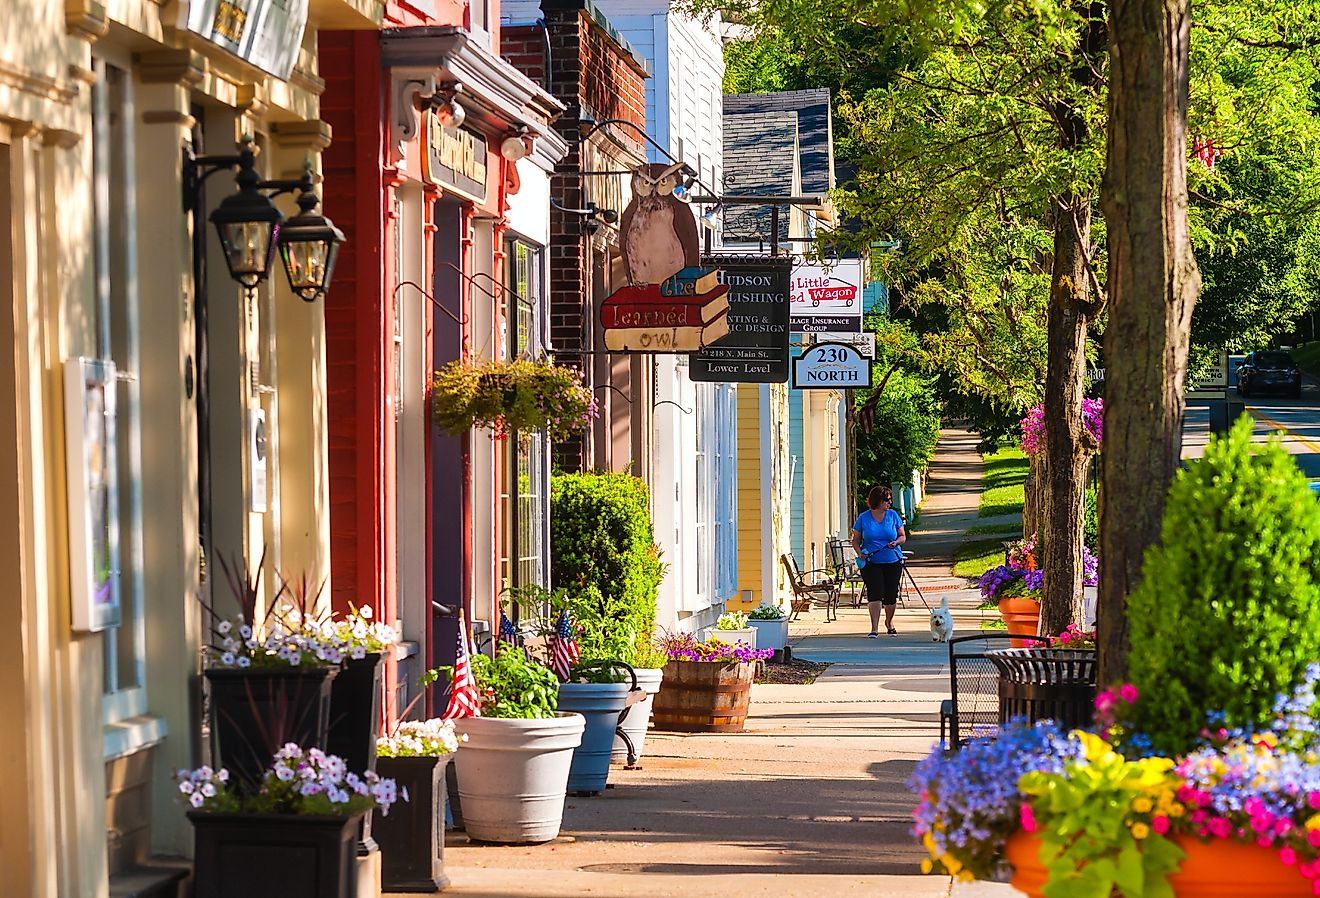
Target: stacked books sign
x: 684, y: 313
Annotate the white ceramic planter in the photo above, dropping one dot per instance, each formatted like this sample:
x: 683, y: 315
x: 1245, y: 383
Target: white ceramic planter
x: 638, y: 718
x: 770, y: 634
x: 732, y: 636
x: 512, y: 775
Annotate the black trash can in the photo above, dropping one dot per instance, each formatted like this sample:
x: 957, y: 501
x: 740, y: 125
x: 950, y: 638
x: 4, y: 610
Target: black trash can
x: 1046, y: 684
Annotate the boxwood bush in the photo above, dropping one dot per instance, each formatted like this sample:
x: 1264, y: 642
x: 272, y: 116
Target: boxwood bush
x: 603, y: 554
x: 1227, y: 615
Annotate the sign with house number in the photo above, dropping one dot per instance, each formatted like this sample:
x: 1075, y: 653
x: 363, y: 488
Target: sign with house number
x: 831, y: 366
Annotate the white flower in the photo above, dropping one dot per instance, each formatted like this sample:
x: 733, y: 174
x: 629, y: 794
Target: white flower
x: 208, y: 789
x: 295, y: 659
x: 245, y: 631
x: 284, y: 773
x: 245, y: 661
x: 357, y: 652
x: 197, y: 799
x: 227, y: 659
x: 186, y: 787
x: 223, y: 775
x: 224, y: 627
x: 365, y: 611
x: 310, y: 788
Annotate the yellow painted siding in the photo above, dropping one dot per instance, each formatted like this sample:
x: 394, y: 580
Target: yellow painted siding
x: 749, y: 497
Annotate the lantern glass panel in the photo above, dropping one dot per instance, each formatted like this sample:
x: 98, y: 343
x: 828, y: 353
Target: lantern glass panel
x: 248, y: 246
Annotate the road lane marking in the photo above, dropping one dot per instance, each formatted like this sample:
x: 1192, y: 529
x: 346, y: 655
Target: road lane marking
x: 1270, y: 422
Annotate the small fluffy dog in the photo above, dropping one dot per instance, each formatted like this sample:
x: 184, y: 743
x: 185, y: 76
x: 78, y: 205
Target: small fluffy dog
x: 941, y: 622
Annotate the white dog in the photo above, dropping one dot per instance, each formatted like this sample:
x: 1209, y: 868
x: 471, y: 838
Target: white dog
x: 941, y: 622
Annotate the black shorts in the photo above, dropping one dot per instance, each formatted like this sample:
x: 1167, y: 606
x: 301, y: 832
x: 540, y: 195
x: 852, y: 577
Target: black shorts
x: 882, y: 581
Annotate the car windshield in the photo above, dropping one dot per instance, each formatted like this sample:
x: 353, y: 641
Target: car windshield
x: 1274, y: 360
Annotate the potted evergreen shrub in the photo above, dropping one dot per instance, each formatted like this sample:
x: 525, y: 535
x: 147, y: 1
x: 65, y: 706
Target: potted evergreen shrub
x: 513, y: 764
x: 304, y: 814
x: 1201, y: 776
x: 771, y: 625
x: 605, y: 561
x: 412, y: 839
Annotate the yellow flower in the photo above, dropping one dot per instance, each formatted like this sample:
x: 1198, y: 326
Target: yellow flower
x: 1313, y: 822
x: 1142, y: 805
x: 1140, y: 830
x: 1097, y: 750
x: 927, y: 865
x: 951, y: 863
x: 1176, y: 810
x: 966, y: 876
x: 928, y: 842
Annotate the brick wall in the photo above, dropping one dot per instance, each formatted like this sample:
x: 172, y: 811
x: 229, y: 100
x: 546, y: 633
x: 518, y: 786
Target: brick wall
x: 591, y: 74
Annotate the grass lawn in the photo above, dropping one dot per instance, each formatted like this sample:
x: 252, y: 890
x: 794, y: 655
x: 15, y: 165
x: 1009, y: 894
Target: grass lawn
x: 977, y: 556
x: 1012, y: 529
x: 1001, y: 485
x: 1307, y: 356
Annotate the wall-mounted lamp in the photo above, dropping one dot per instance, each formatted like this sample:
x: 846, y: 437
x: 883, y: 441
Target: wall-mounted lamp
x: 711, y: 217
x: 250, y: 227
x: 515, y: 146
x: 684, y: 189
x: 448, y: 111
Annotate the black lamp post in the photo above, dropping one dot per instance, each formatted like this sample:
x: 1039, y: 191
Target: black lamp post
x: 249, y: 226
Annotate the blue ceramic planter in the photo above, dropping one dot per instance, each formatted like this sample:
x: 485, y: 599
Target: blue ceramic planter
x: 600, y: 704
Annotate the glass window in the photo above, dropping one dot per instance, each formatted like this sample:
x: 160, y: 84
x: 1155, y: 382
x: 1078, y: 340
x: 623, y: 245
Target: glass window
x: 526, y: 494
x: 116, y: 332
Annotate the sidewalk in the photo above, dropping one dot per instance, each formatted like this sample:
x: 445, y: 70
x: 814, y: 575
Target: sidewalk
x: 812, y: 800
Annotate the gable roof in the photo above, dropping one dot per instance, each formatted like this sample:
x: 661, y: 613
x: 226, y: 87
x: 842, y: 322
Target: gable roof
x: 815, y: 127
x: 760, y: 156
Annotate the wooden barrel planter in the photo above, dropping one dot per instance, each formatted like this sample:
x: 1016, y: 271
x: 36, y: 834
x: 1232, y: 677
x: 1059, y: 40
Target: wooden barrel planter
x: 703, y: 697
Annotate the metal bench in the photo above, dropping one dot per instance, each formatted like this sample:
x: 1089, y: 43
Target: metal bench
x: 972, y: 708
x: 810, y: 587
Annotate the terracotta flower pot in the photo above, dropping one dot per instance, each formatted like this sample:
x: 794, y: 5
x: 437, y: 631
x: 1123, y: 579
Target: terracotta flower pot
x: 1023, y: 619
x: 1215, y: 869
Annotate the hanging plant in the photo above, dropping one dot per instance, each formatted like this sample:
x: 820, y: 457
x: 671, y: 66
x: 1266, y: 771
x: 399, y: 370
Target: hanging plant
x: 511, y: 397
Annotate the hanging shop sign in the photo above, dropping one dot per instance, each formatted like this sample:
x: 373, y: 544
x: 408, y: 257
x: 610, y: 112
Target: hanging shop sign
x: 827, y: 298
x: 455, y: 159
x: 672, y: 302
x: 831, y: 366
x: 755, y: 350
x: 265, y: 33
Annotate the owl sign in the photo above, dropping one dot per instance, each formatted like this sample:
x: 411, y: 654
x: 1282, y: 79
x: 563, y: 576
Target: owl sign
x: 669, y: 303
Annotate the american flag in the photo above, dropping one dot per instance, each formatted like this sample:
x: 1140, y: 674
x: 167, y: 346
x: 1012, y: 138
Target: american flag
x: 464, y: 699
x: 1206, y: 152
x: 563, y: 647
x: 508, y: 632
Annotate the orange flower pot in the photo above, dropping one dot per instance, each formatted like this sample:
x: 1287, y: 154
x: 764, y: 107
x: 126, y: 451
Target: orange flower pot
x: 1023, y: 619
x: 1216, y: 869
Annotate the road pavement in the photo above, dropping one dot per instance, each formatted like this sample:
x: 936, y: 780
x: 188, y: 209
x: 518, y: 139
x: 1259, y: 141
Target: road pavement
x: 1297, y: 421
x: 812, y: 800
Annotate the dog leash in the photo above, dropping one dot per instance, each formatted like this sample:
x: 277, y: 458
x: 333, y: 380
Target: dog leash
x: 902, y: 560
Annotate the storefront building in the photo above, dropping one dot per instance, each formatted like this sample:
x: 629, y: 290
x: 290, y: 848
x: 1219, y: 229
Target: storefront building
x: 193, y: 431
x: 448, y: 150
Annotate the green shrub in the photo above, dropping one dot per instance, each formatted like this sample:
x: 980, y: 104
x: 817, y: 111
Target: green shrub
x: 903, y: 434
x: 603, y: 555
x: 1227, y: 615
x: 1091, y: 523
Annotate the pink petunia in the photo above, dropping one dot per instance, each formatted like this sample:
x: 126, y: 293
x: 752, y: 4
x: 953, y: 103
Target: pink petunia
x: 1220, y: 827
x: 1313, y: 799
x: 1307, y: 870
x: 1104, y: 702
x: 1128, y: 693
x: 1160, y: 824
x: 1313, y: 838
x: 1288, y: 855
x: 1027, y: 816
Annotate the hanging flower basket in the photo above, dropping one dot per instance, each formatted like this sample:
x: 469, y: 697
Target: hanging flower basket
x: 520, y: 396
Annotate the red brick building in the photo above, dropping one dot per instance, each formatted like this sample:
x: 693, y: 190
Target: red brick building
x: 448, y: 223
x: 580, y: 58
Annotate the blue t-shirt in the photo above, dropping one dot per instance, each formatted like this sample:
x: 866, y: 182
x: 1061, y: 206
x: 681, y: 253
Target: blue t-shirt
x: 875, y: 534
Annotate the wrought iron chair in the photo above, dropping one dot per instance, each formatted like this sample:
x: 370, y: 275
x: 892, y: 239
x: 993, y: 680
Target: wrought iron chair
x: 845, y: 570
x: 810, y: 587
x: 972, y: 708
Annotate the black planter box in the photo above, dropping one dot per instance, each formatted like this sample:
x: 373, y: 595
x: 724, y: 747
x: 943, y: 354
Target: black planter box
x: 412, y: 835
x: 274, y: 856
x: 255, y: 712
x: 354, y: 721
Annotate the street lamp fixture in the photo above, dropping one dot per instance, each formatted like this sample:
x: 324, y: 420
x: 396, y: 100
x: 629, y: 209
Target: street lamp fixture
x: 248, y: 224
x: 309, y: 246
x: 251, y: 227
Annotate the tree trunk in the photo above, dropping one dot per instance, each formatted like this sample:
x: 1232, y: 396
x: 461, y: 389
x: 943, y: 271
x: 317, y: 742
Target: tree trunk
x: 1152, y: 287
x: 1066, y: 440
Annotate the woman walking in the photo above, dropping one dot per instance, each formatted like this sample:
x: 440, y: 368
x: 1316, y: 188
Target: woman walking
x: 876, y: 538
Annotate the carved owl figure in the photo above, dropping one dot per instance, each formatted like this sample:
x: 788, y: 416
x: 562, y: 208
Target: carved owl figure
x: 657, y: 233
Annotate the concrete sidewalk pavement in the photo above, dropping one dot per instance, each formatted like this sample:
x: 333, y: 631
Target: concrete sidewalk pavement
x: 811, y: 800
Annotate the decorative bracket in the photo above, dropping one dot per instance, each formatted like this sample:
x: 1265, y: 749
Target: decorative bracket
x: 406, y: 85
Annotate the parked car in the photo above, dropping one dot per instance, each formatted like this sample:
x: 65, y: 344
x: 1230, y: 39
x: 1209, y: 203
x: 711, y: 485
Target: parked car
x: 1263, y: 372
